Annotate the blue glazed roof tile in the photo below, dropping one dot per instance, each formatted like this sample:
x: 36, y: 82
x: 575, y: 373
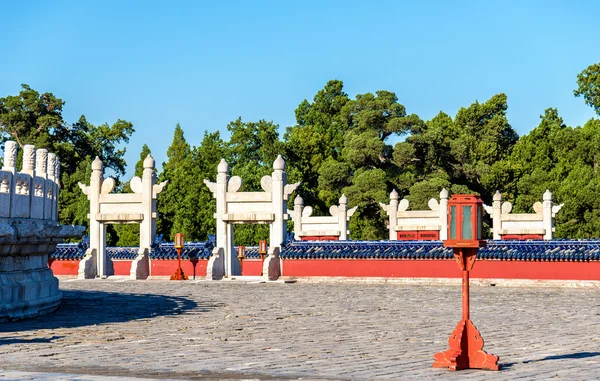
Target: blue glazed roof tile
x: 191, y: 250
x: 556, y: 250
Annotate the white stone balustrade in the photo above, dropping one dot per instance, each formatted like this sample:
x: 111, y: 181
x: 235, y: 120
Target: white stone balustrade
x: 233, y: 207
x: 335, y: 225
x: 29, y: 232
x: 400, y: 219
x: 32, y: 192
x: 539, y: 223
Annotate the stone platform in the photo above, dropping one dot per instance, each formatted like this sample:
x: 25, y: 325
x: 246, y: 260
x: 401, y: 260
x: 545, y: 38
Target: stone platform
x: 199, y: 330
x: 27, y: 286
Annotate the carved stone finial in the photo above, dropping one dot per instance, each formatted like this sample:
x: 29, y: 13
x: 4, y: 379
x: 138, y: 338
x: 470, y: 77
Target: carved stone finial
x: 444, y: 193
x: 51, y: 164
x: 547, y: 195
x: 149, y: 162
x: 343, y: 199
x: 223, y: 166
x: 279, y: 164
x: 497, y: 196
x: 41, y: 160
x: 10, y: 154
x: 97, y: 164
x: 28, y: 157
x: 394, y: 195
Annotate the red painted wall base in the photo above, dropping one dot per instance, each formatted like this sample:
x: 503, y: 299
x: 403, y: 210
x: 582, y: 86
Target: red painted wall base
x: 418, y: 235
x: 400, y: 268
x: 522, y: 237
x: 320, y: 238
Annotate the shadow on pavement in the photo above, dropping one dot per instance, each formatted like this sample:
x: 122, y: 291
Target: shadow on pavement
x: 18, y: 340
x: 82, y: 308
x: 578, y: 355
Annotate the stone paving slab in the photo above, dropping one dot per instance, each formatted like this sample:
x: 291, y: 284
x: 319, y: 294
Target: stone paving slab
x: 199, y: 330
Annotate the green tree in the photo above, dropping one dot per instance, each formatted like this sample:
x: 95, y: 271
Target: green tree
x: 34, y: 118
x: 588, y: 86
x: 170, y: 200
x: 317, y: 137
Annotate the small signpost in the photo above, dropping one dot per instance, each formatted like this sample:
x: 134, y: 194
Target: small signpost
x: 179, y: 275
x: 465, y: 238
x: 262, y: 251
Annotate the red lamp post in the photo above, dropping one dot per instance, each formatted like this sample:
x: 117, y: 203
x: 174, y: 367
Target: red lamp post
x: 262, y: 251
x: 179, y: 275
x: 241, y: 257
x: 465, y: 238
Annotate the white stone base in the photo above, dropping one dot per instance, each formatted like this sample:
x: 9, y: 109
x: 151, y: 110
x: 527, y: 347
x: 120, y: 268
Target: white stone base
x: 88, y: 268
x: 140, y: 266
x: 28, y: 293
x: 272, y: 265
x: 215, y: 268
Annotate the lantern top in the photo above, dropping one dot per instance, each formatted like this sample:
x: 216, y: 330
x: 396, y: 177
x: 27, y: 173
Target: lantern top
x: 465, y: 199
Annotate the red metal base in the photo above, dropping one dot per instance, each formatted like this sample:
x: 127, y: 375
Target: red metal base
x: 466, y: 350
x: 179, y: 275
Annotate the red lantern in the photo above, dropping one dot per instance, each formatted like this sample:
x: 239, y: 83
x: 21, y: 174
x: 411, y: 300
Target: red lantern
x: 262, y: 246
x: 465, y: 221
x: 262, y: 251
x: 179, y: 241
x: 465, y: 238
x: 179, y: 274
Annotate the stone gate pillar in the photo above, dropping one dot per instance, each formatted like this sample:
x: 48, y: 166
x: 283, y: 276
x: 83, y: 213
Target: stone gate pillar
x: 547, y: 215
x: 444, y: 214
x: 392, y: 211
x: 93, y: 263
x: 497, y: 216
x: 297, y: 216
x: 272, y: 265
x: 343, y: 217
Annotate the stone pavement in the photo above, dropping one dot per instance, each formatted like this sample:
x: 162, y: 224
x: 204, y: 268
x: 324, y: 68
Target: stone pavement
x: 198, y: 330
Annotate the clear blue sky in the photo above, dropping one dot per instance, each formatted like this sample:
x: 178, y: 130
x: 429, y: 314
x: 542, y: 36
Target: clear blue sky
x: 204, y: 64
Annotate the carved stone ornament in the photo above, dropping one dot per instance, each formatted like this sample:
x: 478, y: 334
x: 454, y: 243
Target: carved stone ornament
x: 212, y: 186
x: 403, y: 205
x: 135, y: 184
x: 307, y: 211
x: 266, y: 183
x: 234, y: 184
x: 433, y: 204
x: 333, y: 210
x: 107, y: 185
x: 506, y: 207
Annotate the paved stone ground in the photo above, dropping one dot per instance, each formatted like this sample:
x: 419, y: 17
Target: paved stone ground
x: 159, y: 329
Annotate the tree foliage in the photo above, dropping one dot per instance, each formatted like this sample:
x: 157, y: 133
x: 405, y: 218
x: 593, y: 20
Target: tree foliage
x: 34, y: 118
x: 588, y: 86
x: 340, y: 145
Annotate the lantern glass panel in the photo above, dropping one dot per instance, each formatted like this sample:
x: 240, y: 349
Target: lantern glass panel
x: 467, y: 228
x: 453, y: 222
x: 479, y: 221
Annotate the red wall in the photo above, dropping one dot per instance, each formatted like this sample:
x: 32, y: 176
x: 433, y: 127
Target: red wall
x: 320, y: 238
x: 420, y: 235
x: 64, y: 267
x: 522, y: 237
x: 167, y: 267
x: 398, y: 268
x: 441, y: 269
x: 122, y: 267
